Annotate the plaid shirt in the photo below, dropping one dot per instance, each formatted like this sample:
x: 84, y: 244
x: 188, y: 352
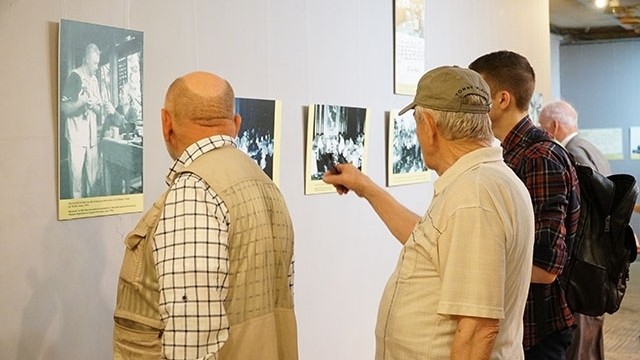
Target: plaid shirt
x: 547, y: 172
x: 192, y: 261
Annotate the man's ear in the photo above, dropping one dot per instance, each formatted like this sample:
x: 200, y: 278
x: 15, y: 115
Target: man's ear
x: 237, y: 121
x: 503, y: 99
x: 167, y: 125
x: 433, y: 128
x: 428, y: 128
x: 554, y: 126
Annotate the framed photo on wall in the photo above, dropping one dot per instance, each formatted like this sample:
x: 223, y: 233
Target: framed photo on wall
x: 535, y: 106
x: 100, y: 120
x: 409, y: 45
x: 334, y: 134
x: 259, y: 134
x: 405, y: 164
x: 634, y: 143
x: 607, y: 140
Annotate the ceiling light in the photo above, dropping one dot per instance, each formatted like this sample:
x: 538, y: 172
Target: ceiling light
x: 601, y: 3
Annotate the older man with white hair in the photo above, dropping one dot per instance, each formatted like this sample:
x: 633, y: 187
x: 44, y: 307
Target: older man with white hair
x: 560, y: 120
x: 460, y: 286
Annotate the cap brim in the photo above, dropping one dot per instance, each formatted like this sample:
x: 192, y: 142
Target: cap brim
x: 407, y: 108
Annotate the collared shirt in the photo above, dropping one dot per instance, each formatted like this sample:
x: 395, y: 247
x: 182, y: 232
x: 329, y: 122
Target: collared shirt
x: 568, y: 138
x: 552, y: 183
x: 191, y: 254
x: 469, y: 255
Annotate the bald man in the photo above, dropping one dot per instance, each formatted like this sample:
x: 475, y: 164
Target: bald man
x: 207, y: 273
x: 560, y: 120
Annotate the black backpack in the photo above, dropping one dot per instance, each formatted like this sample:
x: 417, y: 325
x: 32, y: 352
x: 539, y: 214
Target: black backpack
x: 595, y: 278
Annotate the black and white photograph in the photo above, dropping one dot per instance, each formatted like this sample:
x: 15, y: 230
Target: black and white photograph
x: 335, y: 134
x: 535, y: 106
x: 100, y: 120
x: 259, y: 135
x: 405, y: 162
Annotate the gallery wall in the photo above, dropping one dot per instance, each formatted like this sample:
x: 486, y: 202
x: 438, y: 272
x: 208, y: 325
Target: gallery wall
x: 601, y: 81
x: 59, y: 277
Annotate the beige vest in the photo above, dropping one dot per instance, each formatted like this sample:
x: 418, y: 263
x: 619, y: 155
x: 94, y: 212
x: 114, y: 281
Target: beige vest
x: 259, y: 303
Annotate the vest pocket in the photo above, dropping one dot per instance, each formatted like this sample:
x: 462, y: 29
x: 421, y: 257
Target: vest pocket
x: 131, y: 270
x: 136, y: 343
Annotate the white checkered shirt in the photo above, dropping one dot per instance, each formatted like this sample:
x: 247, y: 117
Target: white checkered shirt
x: 191, y: 254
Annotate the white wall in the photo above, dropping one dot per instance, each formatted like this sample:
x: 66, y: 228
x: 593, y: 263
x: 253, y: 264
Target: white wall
x: 58, y: 279
x: 555, y: 43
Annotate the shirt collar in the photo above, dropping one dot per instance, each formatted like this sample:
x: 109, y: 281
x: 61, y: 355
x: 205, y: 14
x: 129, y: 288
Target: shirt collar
x: 566, y: 140
x: 466, y: 162
x: 196, y: 150
x: 517, y: 134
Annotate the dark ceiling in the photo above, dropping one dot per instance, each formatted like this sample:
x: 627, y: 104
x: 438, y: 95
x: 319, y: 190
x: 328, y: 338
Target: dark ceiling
x: 581, y: 21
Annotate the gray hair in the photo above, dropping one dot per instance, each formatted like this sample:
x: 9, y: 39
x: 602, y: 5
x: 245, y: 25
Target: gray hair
x: 560, y: 111
x: 460, y: 125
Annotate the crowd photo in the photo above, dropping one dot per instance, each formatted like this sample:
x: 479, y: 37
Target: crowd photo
x: 338, y: 137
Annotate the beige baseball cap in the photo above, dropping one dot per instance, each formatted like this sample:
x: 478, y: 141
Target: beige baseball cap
x: 445, y: 87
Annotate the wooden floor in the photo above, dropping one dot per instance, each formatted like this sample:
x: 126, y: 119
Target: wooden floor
x: 622, y: 329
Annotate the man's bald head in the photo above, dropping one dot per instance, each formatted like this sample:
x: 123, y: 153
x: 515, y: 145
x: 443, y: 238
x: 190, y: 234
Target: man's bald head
x: 198, y: 105
x: 201, y: 97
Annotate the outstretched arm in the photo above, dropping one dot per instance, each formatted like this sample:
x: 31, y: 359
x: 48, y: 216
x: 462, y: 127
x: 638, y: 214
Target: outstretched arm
x: 398, y: 219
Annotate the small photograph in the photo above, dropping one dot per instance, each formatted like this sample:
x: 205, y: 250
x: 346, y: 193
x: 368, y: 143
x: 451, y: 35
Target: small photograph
x: 259, y: 134
x: 100, y: 120
x: 634, y: 142
x: 535, y: 106
x: 607, y: 140
x: 409, y: 46
x: 335, y: 134
x: 405, y: 163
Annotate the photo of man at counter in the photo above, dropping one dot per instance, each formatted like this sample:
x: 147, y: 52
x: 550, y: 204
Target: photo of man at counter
x: 121, y: 146
x: 100, y: 151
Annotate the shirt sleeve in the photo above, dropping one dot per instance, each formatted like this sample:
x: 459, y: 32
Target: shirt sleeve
x: 549, y: 191
x: 472, y: 284
x: 191, y: 254
x: 72, y: 87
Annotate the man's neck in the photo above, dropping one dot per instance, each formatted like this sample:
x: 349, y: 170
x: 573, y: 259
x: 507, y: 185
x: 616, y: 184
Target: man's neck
x: 454, y: 150
x: 506, y: 123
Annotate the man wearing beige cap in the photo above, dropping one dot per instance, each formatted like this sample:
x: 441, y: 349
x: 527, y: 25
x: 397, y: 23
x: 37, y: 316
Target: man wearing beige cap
x: 461, y: 283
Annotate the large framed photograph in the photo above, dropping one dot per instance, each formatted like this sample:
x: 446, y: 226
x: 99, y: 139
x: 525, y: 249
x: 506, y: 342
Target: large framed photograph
x: 409, y: 45
x: 100, y: 120
x: 334, y: 133
x: 259, y: 135
x: 405, y: 164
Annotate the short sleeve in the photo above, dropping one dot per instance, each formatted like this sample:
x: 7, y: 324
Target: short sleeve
x: 72, y: 87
